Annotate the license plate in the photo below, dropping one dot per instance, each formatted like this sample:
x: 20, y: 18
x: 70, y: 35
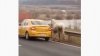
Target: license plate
x: 42, y: 34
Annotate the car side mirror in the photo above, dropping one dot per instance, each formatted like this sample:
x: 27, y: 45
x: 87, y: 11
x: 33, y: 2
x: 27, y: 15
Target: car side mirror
x: 19, y: 24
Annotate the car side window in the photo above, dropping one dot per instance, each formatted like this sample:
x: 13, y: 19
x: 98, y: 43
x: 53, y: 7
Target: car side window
x: 25, y: 23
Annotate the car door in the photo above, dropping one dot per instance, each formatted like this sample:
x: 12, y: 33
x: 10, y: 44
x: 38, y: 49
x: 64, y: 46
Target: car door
x: 24, y: 28
x: 19, y: 29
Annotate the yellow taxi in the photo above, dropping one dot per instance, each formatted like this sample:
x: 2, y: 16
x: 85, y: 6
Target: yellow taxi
x: 32, y: 28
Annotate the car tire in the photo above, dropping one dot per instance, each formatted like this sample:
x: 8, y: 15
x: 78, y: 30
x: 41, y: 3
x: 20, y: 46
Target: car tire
x: 26, y: 36
x: 46, y: 39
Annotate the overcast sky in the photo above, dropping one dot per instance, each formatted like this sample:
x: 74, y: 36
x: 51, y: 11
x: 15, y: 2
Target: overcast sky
x: 49, y: 2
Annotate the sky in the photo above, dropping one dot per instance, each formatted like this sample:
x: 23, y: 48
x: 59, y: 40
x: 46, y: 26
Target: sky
x: 49, y: 2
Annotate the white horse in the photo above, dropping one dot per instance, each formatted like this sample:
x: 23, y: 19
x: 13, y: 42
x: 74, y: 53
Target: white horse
x: 57, y: 28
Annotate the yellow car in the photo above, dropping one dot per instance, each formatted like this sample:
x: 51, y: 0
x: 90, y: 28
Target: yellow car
x: 32, y: 28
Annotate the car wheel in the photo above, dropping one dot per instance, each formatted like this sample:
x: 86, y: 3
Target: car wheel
x: 26, y: 36
x: 46, y: 39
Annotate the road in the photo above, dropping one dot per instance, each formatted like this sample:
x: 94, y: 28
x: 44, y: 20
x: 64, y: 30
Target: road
x: 38, y: 47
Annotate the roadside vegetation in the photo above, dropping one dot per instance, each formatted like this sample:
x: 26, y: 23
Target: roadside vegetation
x: 48, y: 13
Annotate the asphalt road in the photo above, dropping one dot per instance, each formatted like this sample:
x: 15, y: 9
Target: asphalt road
x: 38, y: 47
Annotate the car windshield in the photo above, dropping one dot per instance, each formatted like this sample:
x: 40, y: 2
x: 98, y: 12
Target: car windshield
x: 39, y: 23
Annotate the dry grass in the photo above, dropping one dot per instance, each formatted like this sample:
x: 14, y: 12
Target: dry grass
x: 73, y: 40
